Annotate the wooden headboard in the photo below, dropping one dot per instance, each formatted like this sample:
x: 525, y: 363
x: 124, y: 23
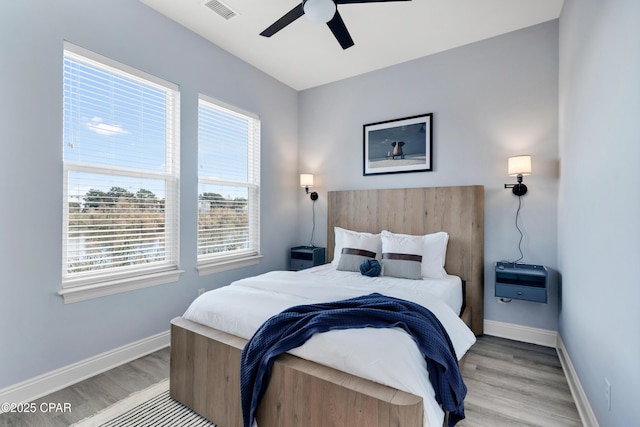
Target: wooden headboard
x: 457, y: 210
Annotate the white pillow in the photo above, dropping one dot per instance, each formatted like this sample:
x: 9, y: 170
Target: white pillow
x: 353, y: 239
x: 434, y: 255
x: 401, y: 255
x: 434, y: 250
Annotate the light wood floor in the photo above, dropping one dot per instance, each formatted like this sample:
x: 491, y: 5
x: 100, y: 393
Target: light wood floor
x: 509, y: 384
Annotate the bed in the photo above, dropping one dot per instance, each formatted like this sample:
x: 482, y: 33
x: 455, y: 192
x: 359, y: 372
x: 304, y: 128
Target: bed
x: 205, y: 361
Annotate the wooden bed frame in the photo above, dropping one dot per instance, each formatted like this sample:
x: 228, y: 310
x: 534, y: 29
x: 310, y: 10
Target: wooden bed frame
x: 205, y: 363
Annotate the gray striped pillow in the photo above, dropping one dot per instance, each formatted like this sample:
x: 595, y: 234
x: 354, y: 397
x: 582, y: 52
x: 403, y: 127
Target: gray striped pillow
x: 406, y: 266
x: 351, y: 258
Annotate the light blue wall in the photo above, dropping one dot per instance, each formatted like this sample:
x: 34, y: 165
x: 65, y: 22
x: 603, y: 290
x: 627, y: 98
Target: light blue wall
x: 38, y: 332
x: 491, y: 100
x: 599, y: 202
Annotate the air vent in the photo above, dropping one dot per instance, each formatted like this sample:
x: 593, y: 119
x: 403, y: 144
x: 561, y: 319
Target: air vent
x: 221, y: 9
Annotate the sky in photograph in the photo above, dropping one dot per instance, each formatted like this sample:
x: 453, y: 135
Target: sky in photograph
x: 412, y: 135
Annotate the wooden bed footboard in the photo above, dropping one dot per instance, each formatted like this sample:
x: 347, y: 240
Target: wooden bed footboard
x: 205, y: 376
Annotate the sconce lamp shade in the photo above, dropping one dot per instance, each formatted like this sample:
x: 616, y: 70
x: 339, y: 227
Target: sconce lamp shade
x: 519, y: 165
x: 319, y: 10
x: 306, y: 180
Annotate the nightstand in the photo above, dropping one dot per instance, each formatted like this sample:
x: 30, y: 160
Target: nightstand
x: 306, y: 256
x: 525, y: 282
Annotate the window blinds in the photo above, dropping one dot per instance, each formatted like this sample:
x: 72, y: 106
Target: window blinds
x: 228, y: 181
x: 121, y: 168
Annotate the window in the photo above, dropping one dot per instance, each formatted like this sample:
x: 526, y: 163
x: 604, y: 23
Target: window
x: 121, y: 168
x: 228, y: 187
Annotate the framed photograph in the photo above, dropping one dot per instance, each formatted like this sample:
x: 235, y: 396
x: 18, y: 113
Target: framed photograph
x: 398, y: 146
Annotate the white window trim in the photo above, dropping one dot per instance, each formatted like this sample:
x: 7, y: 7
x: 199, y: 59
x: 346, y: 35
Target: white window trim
x: 81, y: 288
x: 214, y: 263
x: 85, y: 291
x: 223, y: 263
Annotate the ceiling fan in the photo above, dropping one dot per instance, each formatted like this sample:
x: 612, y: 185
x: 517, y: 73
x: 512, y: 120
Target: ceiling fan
x: 320, y: 11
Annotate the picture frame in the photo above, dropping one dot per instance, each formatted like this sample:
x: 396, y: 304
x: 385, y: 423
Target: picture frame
x: 398, y: 146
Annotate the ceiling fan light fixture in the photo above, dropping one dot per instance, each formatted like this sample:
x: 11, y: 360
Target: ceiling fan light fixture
x: 319, y: 10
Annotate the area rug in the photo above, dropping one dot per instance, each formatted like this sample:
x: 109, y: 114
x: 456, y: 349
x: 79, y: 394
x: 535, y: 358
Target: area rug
x: 152, y: 407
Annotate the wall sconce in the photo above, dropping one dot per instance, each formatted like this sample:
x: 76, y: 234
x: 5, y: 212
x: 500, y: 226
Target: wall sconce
x: 518, y: 167
x: 306, y: 181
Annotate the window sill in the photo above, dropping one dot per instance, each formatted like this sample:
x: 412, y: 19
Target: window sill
x: 111, y: 287
x: 223, y: 264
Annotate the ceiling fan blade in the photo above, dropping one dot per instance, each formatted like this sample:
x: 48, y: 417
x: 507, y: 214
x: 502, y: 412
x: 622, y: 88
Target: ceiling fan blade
x: 287, y: 19
x: 364, y: 1
x: 340, y: 31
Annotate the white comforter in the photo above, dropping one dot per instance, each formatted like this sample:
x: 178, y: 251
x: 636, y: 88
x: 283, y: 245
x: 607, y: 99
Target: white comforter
x: 386, y: 356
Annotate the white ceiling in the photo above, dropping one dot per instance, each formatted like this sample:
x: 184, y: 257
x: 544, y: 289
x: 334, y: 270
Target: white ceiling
x: 305, y: 54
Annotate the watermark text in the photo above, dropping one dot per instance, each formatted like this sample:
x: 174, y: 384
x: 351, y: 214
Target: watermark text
x: 33, y: 407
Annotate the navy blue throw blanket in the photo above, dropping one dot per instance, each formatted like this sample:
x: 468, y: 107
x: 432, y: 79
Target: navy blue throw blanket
x: 294, y: 326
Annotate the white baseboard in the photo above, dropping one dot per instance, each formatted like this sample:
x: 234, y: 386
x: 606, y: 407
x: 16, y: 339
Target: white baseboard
x: 579, y: 396
x: 42, y: 385
x: 514, y: 332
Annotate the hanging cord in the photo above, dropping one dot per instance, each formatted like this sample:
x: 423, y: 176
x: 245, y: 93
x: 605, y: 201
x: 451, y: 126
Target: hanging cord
x: 519, y: 231
x: 313, y: 228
